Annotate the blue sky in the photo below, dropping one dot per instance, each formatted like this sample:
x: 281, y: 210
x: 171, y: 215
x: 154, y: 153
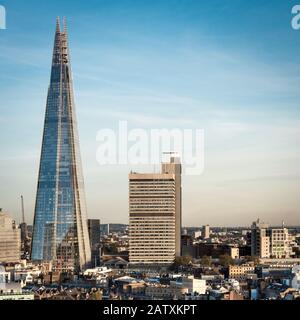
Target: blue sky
x: 230, y: 67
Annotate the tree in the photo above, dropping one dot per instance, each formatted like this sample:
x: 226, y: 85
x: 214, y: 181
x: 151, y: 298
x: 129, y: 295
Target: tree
x: 206, y: 261
x: 254, y: 259
x: 225, y: 260
x: 110, y: 248
x: 183, y: 260
x: 297, y: 252
x: 96, y: 295
x: 180, y: 262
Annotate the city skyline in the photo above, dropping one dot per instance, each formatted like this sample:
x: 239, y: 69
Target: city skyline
x: 139, y: 74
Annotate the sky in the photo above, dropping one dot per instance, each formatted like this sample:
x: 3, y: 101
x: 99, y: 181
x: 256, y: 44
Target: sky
x: 229, y: 67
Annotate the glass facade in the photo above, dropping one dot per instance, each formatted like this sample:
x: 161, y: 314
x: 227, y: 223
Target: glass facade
x: 60, y: 231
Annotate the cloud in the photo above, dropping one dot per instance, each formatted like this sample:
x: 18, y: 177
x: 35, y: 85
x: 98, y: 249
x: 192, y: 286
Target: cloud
x: 229, y: 129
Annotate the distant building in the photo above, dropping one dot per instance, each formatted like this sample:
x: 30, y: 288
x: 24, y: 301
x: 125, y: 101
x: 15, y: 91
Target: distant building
x: 213, y: 250
x: 25, y: 241
x: 269, y: 242
x: 244, y: 251
x: 94, y: 231
x: 155, y: 215
x: 116, y: 262
x: 296, y: 277
x: 186, y: 240
x: 224, y: 294
x: 206, y: 232
x: 165, y: 291
x: 194, y: 285
x: 280, y: 241
x: 24, y: 232
x: 260, y: 240
x: 197, y: 234
x: 241, y: 272
x: 176, y: 289
x: 111, y: 228
x: 234, y: 252
x: 4, y: 277
x: 11, y: 290
x: 10, y: 239
x: 277, y: 291
x: 94, y: 235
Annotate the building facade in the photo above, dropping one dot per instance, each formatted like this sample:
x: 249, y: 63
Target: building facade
x: 60, y: 232
x: 269, y: 242
x: 260, y: 241
x: 163, y: 291
x: 10, y: 239
x: 241, y: 272
x: 206, y: 232
x: 194, y: 285
x: 94, y: 231
x: 155, y: 215
x: 94, y: 235
x: 213, y: 250
x: 280, y: 243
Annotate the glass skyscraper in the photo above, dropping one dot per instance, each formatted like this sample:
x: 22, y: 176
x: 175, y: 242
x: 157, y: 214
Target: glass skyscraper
x: 60, y: 233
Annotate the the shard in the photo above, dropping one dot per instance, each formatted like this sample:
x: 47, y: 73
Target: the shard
x: 60, y: 233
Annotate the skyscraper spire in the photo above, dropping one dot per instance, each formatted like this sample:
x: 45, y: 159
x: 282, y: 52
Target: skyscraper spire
x: 57, y: 25
x: 65, y: 25
x: 60, y: 232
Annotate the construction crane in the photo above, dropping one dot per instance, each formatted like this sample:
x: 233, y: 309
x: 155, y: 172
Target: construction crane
x: 23, y: 211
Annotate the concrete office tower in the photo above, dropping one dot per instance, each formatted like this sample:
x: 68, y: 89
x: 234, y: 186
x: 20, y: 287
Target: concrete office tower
x: 274, y: 243
x: 60, y: 232
x: 10, y: 239
x: 260, y: 240
x: 206, y: 232
x: 281, y: 243
x: 155, y: 215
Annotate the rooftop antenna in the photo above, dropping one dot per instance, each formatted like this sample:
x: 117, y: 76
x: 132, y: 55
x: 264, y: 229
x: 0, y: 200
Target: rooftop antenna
x: 172, y: 154
x: 23, y: 211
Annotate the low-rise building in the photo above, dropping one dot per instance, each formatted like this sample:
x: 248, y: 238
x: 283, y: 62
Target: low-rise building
x: 11, y: 290
x: 241, y: 272
x: 161, y: 291
x: 224, y: 294
x: 296, y: 277
x: 234, y: 252
x: 194, y: 285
